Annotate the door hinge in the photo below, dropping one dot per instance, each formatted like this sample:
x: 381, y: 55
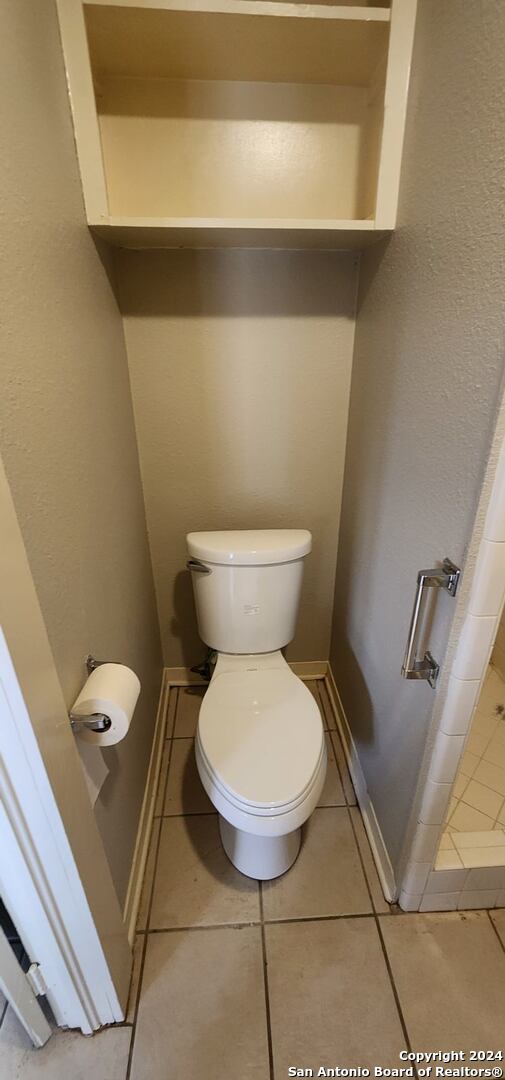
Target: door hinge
x: 36, y: 980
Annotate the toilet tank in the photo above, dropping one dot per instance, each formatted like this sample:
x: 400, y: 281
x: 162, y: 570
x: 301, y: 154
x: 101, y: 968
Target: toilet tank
x: 247, y: 587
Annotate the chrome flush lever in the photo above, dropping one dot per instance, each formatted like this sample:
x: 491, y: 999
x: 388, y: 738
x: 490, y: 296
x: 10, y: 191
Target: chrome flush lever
x: 446, y: 577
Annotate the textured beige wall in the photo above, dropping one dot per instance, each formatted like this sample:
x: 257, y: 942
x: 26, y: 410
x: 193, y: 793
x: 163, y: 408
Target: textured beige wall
x: 427, y: 372
x: 240, y: 364
x: 66, y: 425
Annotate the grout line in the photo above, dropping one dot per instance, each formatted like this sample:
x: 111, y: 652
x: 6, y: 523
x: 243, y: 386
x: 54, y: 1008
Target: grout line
x: 266, y: 922
x: 393, y: 987
x: 149, y: 906
x: 203, y: 926
x: 495, y: 928
x: 265, y: 985
x: 189, y: 813
x: 383, y: 944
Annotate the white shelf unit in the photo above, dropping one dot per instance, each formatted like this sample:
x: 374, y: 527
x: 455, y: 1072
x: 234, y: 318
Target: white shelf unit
x: 247, y: 123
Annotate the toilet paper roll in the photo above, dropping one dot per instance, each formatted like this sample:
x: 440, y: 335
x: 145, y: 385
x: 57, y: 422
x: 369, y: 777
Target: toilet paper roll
x: 112, y: 689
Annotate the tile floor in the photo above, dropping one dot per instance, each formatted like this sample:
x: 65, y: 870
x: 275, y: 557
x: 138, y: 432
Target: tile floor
x: 477, y: 807
x: 240, y: 980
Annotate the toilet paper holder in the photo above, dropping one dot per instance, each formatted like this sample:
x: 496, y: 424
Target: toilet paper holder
x: 95, y: 721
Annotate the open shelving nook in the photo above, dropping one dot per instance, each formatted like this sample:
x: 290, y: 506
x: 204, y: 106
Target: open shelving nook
x: 252, y: 123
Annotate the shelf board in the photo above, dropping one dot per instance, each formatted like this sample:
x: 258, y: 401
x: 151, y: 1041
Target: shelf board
x: 246, y: 40
x: 149, y: 233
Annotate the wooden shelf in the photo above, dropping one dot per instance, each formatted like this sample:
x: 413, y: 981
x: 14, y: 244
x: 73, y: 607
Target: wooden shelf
x: 246, y: 40
x: 145, y: 233
x: 202, y: 123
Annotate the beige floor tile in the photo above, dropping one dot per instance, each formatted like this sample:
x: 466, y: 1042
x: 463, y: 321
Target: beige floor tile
x: 491, y: 775
x: 344, y: 771
x: 379, y: 902
x: 185, y: 793
x: 188, y: 707
x: 162, y: 782
x: 465, y: 819
x: 482, y: 798
x: 311, y: 685
x: 138, y: 952
x: 202, y: 1009
x: 333, y: 792
x: 449, y: 971
x: 196, y: 884
x: 145, y: 896
x: 171, y: 711
x: 327, y: 711
x: 326, y: 878
x: 330, y: 996
x: 68, y: 1054
x: 468, y: 763
x: 498, y: 919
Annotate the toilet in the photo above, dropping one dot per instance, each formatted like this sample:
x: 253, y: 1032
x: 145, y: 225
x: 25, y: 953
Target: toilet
x: 260, y: 748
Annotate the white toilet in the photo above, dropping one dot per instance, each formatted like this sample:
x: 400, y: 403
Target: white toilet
x: 260, y: 746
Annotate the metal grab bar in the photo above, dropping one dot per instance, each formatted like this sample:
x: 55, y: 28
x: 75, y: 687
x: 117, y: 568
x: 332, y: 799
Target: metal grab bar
x: 446, y: 577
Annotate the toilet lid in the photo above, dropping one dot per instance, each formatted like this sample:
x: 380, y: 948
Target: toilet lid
x: 261, y: 735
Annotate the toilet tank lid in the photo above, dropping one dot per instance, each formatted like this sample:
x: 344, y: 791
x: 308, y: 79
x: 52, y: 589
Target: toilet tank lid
x: 250, y: 547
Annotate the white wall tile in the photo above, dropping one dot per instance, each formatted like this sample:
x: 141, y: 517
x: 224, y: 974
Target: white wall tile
x: 416, y: 876
x: 490, y: 877
x: 435, y: 803
x: 500, y: 899
x: 441, y: 881
x: 459, y: 705
x: 488, y: 586
x: 479, y: 899
x: 409, y: 901
x: 448, y: 859
x: 494, y: 526
x: 474, y: 647
x: 483, y: 856
x: 425, y: 843
x: 489, y: 838
x: 446, y: 757
x: 440, y: 901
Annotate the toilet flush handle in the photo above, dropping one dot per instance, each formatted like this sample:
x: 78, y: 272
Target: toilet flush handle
x: 198, y: 567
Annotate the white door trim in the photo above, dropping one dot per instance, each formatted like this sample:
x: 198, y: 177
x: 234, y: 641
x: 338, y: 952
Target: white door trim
x: 54, y: 873
x: 16, y: 988
x: 39, y: 881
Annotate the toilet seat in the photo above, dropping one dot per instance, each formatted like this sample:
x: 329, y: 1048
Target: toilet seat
x: 260, y: 741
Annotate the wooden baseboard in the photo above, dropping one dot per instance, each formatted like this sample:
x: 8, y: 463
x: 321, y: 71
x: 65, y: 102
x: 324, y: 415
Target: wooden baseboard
x: 305, y: 669
x: 376, y: 839
x: 132, y: 901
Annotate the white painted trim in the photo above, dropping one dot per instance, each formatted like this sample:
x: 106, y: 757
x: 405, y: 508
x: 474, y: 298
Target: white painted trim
x: 133, y: 892
x: 347, y: 13
x: 82, y: 103
x: 375, y: 837
x: 305, y: 669
x: 39, y: 880
x: 401, y: 40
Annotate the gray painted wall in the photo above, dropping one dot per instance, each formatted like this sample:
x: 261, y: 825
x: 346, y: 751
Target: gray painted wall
x: 428, y: 363
x: 67, y: 433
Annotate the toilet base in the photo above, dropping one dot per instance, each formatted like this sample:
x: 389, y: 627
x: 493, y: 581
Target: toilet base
x: 260, y: 857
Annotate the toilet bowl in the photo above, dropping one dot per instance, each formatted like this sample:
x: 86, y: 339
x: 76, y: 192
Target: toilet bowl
x: 260, y: 748
x: 261, y: 756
